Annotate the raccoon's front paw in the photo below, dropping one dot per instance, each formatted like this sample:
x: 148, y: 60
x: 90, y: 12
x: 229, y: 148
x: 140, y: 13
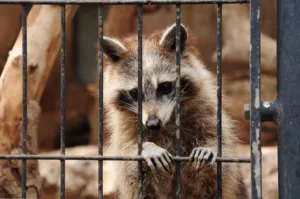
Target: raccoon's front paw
x: 202, y: 156
x: 157, y: 158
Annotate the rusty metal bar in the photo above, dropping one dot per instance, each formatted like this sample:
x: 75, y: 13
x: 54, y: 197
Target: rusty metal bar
x: 100, y: 100
x: 288, y: 76
x: 124, y: 2
x: 24, y: 97
x: 177, y: 111
x: 140, y: 94
x: 268, y: 111
x: 118, y: 158
x: 63, y: 100
x: 255, y: 131
x: 219, y: 96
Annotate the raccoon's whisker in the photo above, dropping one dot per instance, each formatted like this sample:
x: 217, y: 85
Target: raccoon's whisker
x: 153, y: 107
x: 128, y: 106
x: 184, y: 97
x: 183, y: 89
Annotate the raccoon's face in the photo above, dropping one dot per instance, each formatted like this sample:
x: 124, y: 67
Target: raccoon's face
x: 158, y: 80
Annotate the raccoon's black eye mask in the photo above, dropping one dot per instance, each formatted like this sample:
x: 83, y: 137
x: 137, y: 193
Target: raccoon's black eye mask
x: 134, y: 94
x: 169, y: 88
x: 164, y: 88
x: 127, y: 98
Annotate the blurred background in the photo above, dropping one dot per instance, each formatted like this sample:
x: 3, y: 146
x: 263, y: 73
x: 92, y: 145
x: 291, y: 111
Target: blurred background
x: 81, y: 103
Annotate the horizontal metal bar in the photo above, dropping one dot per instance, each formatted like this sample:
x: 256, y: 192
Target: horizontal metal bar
x: 120, y: 2
x: 117, y: 158
x: 268, y: 111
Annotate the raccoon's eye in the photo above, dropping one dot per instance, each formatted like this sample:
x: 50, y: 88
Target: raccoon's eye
x: 134, y: 94
x: 164, y: 88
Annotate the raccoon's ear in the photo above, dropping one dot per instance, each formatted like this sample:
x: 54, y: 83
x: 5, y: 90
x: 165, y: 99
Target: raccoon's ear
x: 113, y: 49
x: 168, y: 38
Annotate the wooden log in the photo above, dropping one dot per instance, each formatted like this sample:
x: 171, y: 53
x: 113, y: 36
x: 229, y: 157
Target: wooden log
x: 11, y: 169
x: 43, y: 41
x: 236, y: 40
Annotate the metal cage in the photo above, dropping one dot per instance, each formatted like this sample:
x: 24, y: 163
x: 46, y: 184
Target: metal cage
x: 286, y: 108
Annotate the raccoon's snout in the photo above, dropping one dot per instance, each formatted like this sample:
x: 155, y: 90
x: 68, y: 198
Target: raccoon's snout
x: 153, y: 123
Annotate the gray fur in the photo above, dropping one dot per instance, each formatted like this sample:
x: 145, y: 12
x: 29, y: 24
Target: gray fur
x: 198, y: 124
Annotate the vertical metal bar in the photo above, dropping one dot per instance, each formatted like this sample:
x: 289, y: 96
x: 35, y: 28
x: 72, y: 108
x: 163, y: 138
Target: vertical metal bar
x: 100, y: 108
x: 178, y: 57
x: 62, y: 102
x: 256, y: 181
x: 140, y: 92
x: 24, y: 96
x: 219, y: 96
x: 288, y: 62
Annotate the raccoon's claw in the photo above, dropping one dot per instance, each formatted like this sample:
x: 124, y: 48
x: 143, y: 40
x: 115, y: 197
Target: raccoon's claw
x: 157, y: 158
x: 202, y: 156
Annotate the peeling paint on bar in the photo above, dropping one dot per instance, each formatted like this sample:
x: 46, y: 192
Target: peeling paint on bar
x: 257, y: 168
x: 266, y: 104
x: 255, y: 109
x: 257, y: 98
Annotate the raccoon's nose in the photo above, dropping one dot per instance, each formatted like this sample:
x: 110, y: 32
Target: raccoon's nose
x: 153, y: 123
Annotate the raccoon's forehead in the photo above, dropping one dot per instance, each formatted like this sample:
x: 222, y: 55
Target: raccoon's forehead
x: 157, y: 67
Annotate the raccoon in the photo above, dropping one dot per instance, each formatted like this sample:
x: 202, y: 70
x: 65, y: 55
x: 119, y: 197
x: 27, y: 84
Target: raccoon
x: 198, y: 119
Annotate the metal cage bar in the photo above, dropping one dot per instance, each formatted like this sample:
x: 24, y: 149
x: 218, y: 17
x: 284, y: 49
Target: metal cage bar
x: 288, y: 62
x: 140, y: 94
x: 63, y: 100
x: 24, y: 97
x: 219, y: 96
x: 177, y: 112
x: 255, y: 110
x: 122, y: 2
x: 100, y: 100
x: 255, y: 132
x: 117, y: 158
